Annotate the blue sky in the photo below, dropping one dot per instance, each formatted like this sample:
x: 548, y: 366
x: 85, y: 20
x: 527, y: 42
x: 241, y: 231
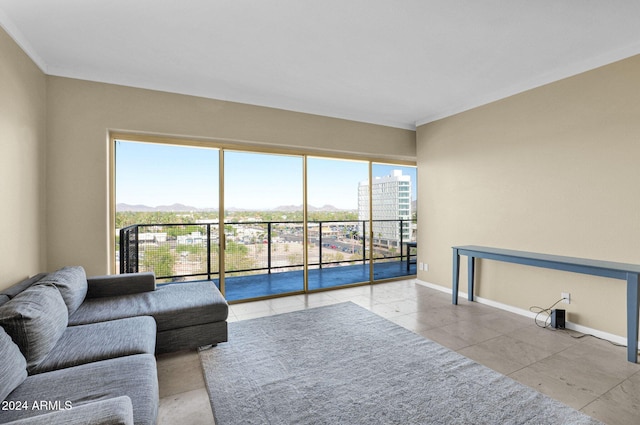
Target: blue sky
x: 161, y: 174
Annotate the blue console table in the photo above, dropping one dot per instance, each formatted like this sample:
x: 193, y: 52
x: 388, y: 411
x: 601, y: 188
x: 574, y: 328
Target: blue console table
x: 628, y: 272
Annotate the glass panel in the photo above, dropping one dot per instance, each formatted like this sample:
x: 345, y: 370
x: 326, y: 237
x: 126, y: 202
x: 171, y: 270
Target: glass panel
x: 263, y: 201
x: 167, y: 202
x: 394, y: 220
x: 335, y: 229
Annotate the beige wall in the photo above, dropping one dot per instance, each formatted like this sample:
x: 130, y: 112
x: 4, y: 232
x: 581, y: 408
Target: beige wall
x: 22, y: 155
x: 81, y: 113
x: 552, y: 170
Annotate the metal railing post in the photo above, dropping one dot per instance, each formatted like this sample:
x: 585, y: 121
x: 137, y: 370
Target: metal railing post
x: 137, y: 250
x: 320, y: 244
x: 364, y: 242
x: 122, y: 249
x: 208, y: 251
x: 268, y: 247
x: 401, y: 235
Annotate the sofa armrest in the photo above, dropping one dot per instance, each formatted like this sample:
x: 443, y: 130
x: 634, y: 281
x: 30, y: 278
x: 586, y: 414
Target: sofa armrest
x: 113, y: 411
x: 120, y: 284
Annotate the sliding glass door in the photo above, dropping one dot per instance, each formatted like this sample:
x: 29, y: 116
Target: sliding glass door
x: 263, y: 224
x: 336, y: 248
x: 166, y: 206
x: 393, y: 194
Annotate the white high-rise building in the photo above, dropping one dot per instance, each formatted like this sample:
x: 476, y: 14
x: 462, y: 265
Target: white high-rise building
x: 391, y: 200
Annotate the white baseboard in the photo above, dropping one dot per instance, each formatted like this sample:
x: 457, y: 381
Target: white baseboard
x: 568, y: 325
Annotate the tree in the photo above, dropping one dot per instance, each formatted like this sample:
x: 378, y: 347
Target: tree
x: 159, y: 260
x: 237, y: 257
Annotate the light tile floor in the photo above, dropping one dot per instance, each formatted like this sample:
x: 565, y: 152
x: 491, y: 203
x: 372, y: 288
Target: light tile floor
x: 587, y: 374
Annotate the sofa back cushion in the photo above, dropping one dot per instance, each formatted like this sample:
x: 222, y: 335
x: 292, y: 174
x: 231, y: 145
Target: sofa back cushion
x: 35, y: 319
x: 13, y: 366
x: 71, y: 281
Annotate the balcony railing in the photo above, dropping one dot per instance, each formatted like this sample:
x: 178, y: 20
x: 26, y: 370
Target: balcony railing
x: 178, y: 252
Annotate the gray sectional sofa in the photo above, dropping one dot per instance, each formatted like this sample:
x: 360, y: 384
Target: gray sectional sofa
x: 78, y: 350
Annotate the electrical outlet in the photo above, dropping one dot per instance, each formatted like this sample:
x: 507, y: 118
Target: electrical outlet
x: 566, y: 297
x: 420, y: 266
x: 426, y: 267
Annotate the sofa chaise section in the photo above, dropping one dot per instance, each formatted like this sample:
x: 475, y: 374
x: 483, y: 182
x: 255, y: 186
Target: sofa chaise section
x: 188, y: 315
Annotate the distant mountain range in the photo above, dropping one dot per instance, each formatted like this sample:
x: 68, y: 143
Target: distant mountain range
x: 327, y: 208
x: 186, y: 208
x: 160, y: 208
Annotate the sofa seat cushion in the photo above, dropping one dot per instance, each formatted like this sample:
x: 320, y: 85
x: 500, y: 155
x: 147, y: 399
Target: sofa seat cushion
x: 35, y: 319
x: 133, y: 376
x: 71, y: 281
x: 173, y: 306
x: 101, y: 341
x: 13, y: 366
x: 114, y: 411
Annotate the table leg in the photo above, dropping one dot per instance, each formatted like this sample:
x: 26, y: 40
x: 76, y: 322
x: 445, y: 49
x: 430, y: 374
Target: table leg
x: 456, y: 273
x: 470, y: 275
x: 633, y: 300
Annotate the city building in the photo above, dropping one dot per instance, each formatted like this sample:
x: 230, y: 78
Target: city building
x: 390, y: 202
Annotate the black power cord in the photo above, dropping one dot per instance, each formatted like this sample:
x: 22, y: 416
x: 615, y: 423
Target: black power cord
x: 546, y: 324
x: 541, y: 310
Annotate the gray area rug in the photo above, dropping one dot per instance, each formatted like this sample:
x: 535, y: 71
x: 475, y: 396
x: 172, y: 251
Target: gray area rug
x: 342, y: 364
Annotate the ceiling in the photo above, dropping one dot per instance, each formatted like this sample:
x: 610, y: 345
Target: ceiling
x: 399, y: 63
